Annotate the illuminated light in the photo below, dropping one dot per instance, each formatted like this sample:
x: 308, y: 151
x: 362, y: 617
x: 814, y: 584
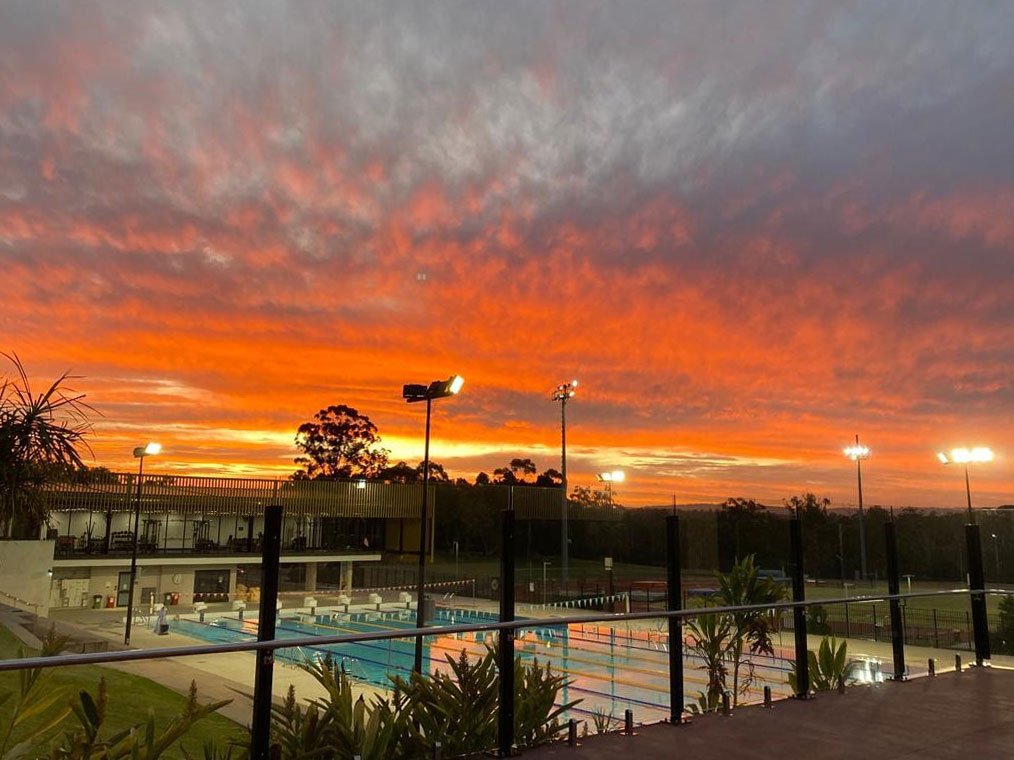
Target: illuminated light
x: 618, y: 476
x: 564, y: 391
x: 361, y: 483
x: 967, y: 456
x: 414, y: 392
x: 148, y: 450
x: 857, y: 452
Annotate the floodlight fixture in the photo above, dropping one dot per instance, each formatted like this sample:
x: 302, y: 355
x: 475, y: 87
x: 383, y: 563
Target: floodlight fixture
x: 565, y: 391
x: 616, y: 476
x: 148, y: 450
x: 857, y: 452
x: 414, y: 392
x: 967, y: 456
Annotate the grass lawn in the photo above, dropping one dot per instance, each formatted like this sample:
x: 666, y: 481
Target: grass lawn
x: 129, y: 698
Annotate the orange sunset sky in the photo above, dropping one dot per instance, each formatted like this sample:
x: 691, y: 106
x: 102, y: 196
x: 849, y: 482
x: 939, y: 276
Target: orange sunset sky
x: 751, y: 230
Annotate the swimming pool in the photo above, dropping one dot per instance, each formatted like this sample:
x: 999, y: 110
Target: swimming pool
x: 610, y: 669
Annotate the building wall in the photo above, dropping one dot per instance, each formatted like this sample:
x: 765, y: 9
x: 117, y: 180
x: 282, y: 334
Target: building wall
x: 25, y: 573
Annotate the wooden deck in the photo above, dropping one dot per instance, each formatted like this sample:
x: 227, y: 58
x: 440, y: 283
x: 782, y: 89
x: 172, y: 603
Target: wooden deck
x: 965, y: 716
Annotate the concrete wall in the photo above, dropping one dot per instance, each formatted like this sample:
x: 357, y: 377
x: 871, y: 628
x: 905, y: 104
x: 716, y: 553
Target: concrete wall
x: 25, y: 573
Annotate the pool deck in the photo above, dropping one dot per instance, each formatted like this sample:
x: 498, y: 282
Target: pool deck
x: 954, y: 715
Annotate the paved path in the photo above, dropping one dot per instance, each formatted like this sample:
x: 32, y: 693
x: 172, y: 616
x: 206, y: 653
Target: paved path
x: 956, y: 716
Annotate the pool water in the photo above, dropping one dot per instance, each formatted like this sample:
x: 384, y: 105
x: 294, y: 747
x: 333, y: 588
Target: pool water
x: 610, y: 669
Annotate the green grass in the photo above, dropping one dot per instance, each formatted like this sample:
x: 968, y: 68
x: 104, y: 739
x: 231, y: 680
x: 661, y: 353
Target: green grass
x: 130, y: 698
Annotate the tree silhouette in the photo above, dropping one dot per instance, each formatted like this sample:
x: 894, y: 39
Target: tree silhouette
x: 523, y: 466
x: 339, y: 443
x: 504, y: 476
x: 42, y: 436
x: 549, y: 478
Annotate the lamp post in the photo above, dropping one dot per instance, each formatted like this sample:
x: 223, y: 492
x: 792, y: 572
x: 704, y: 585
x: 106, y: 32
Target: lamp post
x: 616, y: 476
x: 562, y: 393
x: 140, y: 452
x: 544, y: 566
x: 965, y: 457
x: 857, y: 454
x: 413, y: 394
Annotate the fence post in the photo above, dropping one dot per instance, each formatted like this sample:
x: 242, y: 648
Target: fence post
x: 260, y: 732
x: 799, y: 613
x: 673, y: 586
x: 874, y: 608
x: 505, y: 709
x: 977, y: 583
x: 893, y: 586
x: 936, y: 634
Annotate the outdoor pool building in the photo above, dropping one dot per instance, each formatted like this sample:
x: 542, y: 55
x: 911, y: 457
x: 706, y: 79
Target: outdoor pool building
x: 199, y: 538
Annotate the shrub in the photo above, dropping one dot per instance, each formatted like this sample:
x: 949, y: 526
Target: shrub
x: 829, y: 667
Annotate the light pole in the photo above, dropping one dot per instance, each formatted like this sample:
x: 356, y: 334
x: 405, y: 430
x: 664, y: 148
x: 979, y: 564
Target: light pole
x: 966, y: 457
x: 562, y: 393
x: 414, y: 393
x: 857, y: 454
x: 616, y: 476
x: 996, y: 554
x: 456, y: 560
x: 140, y: 452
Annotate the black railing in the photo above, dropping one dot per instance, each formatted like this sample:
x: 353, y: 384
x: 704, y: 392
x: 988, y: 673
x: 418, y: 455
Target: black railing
x: 507, y: 627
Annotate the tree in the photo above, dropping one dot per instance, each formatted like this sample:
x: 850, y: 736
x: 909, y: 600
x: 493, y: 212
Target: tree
x: 398, y: 473
x: 339, y: 443
x: 482, y: 479
x: 504, y: 476
x: 42, y: 436
x: 549, y: 478
x: 587, y: 497
x: 524, y: 467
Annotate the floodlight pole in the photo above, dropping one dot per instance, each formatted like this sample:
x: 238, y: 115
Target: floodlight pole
x: 420, y: 608
x: 968, y: 494
x: 133, y: 553
x: 564, y: 548
x: 862, y: 526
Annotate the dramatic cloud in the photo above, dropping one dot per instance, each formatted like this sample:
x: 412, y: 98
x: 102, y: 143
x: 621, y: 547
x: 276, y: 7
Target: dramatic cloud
x: 750, y: 229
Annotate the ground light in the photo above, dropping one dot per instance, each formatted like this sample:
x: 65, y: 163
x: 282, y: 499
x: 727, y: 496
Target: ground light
x: 412, y: 394
x: 857, y: 453
x: 563, y: 393
x: 965, y: 457
x: 140, y: 452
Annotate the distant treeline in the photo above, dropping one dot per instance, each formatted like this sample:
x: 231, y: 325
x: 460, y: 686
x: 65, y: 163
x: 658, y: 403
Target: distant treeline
x: 931, y: 544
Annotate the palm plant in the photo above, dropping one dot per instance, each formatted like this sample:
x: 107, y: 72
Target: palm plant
x: 753, y: 629
x: 710, y: 638
x: 830, y: 667
x: 40, y: 434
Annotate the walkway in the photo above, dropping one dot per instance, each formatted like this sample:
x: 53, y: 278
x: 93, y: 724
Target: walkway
x: 955, y: 715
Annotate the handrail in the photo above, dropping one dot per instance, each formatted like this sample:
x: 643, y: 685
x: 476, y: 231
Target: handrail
x: 93, y: 658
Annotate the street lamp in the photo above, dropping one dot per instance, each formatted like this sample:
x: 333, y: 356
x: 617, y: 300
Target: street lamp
x: 857, y: 454
x: 965, y: 457
x: 412, y: 394
x: 140, y: 452
x: 563, y: 393
x: 616, y: 476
